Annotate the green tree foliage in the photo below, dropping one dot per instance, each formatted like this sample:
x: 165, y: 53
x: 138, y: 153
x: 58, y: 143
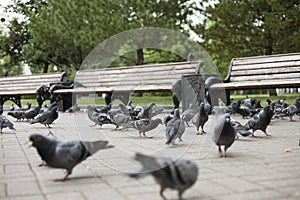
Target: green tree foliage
x: 62, y: 33
x: 249, y: 27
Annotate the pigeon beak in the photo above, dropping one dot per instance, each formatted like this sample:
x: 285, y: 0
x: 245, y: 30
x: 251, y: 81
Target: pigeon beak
x: 30, y: 143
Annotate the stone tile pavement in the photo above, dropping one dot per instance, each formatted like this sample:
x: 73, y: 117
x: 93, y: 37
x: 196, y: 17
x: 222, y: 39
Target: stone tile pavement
x: 256, y: 168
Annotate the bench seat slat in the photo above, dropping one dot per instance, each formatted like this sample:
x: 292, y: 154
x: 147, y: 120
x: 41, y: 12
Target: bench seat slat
x: 266, y: 71
x: 266, y: 84
x: 267, y: 59
x: 265, y: 77
x: 257, y: 66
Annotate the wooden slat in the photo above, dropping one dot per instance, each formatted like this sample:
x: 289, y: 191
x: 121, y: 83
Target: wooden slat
x: 266, y: 71
x: 258, y: 84
x: 266, y: 59
x: 265, y: 77
x: 263, y: 66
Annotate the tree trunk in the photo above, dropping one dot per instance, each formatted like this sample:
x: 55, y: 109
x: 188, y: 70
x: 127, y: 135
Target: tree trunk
x: 46, y: 66
x: 140, y: 61
x: 140, y: 56
x: 272, y: 92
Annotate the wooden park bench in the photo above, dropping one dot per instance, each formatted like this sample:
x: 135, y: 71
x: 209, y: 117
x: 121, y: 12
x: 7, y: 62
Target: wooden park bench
x: 121, y: 81
x: 13, y: 87
x: 262, y: 72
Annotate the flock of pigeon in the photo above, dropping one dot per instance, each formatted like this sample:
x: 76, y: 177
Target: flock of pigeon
x: 168, y: 173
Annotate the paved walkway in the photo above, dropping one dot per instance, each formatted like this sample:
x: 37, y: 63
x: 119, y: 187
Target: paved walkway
x: 256, y: 168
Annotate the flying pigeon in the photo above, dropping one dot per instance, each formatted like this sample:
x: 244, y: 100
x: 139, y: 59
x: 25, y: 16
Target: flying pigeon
x: 175, y: 128
x: 188, y: 114
x: 145, y: 125
x: 260, y: 121
x: 46, y: 118
x: 65, y: 154
x: 200, y: 119
x: 239, y: 128
x: 223, y: 133
x: 178, y: 174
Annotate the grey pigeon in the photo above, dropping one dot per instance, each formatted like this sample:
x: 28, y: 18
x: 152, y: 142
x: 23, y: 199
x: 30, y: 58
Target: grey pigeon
x: 145, y: 125
x: 290, y: 111
x: 260, y: 121
x: 200, y: 119
x: 64, y: 154
x: 146, y: 113
x: 121, y: 120
x: 5, y: 123
x: 223, y: 133
x: 74, y: 108
x: 46, y: 118
x: 188, y: 114
x: 175, y: 128
x: 26, y: 107
x: 191, y: 57
x: 32, y: 113
x: 93, y: 114
x: 239, y: 128
x: 19, y: 115
x: 198, y: 67
x: 207, y: 106
x: 168, y: 173
x: 12, y: 107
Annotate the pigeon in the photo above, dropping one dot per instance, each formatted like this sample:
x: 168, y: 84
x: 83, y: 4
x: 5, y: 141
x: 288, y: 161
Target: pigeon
x: 105, y: 109
x: 32, y: 113
x: 19, y: 115
x: 290, y: 111
x: 145, y: 125
x: 188, y: 114
x: 191, y: 57
x: 65, y: 154
x: 46, y: 118
x: 5, y: 123
x: 200, y: 119
x: 156, y: 110
x: 1, y: 109
x: 178, y: 174
x: 50, y: 136
x: 12, y: 107
x: 223, y: 133
x: 239, y: 128
x: 145, y: 113
x: 167, y: 119
x: 260, y: 121
x: 175, y: 128
x: 93, y: 114
x: 198, y: 67
x: 103, y: 119
x: 74, y: 108
x: 26, y: 107
x: 121, y: 120
x: 207, y: 106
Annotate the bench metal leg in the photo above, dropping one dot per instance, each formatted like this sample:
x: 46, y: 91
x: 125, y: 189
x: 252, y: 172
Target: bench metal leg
x: 13, y: 98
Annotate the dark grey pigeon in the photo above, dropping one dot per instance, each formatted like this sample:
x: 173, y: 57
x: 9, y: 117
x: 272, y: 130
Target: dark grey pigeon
x: 198, y: 67
x: 146, y: 113
x: 188, y: 114
x: 145, y: 125
x: 32, y: 113
x: 240, y: 129
x: 19, y: 115
x: 290, y: 111
x: 46, y: 118
x: 177, y: 174
x: 200, y: 119
x: 65, y: 154
x: 175, y: 128
x: 5, y: 123
x: 260, y: 121
x: 223, y: 133
x: 1, y: 109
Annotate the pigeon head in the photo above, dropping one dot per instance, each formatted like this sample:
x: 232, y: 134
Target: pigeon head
x: 36, y: 140
x: 227, y: 118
